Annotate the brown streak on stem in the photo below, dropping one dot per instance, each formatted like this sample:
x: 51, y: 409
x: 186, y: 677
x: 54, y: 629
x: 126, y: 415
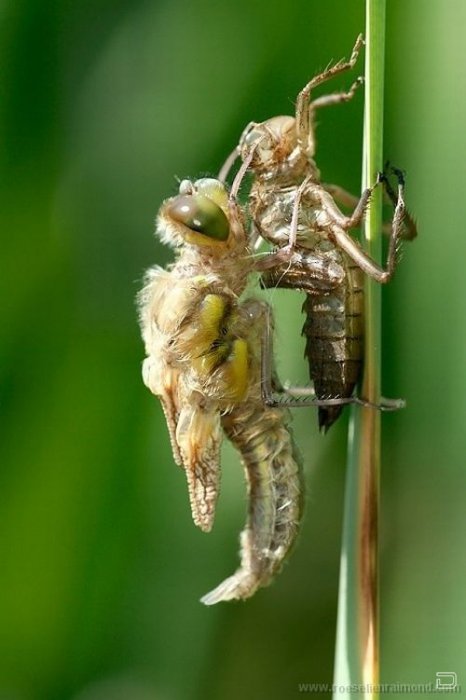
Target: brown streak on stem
x: 368, y: 560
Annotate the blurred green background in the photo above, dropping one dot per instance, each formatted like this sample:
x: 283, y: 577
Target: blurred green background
x: 103, y: 105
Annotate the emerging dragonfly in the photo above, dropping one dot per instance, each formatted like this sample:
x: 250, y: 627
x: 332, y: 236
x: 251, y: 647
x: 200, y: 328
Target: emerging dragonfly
x: 294, y: 211
x: 203, y: 362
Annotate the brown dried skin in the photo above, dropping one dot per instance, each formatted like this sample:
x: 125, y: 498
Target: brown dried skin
x: 294, y: 211
x: 334, y: 304
x: 334, y: 332
x: 203, y: 362
x: 283, y: 160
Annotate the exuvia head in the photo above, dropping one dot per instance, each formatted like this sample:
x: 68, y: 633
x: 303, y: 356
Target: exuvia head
x: 197, y: 215
x: 273, y: 141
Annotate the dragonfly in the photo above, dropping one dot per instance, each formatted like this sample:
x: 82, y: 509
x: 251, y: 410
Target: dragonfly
x: 204, y: 363
x: 292, y: 209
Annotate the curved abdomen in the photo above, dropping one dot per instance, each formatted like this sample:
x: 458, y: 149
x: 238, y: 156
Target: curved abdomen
x: 275, y: 493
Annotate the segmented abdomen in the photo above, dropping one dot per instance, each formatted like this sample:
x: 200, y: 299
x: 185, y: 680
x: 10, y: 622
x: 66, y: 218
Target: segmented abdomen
x: 275, y: 492
x: 334, y: 331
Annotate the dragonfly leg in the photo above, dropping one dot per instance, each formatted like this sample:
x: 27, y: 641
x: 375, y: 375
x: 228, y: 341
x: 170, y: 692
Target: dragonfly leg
x: 230, y: 161
x: 337, y: 98
x: 341, y: 221
x: 340, y: 236
x: 276, y: 394
x: 304, y: 106
x: 341, y: 195
x: 228, y: 164
x: 409, y: 225
x: 328, y: 196
x: 285, y: 254
x: 347, y: 199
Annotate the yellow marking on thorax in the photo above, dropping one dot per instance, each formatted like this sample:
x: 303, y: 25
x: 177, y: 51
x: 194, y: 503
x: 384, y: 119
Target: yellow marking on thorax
x: 216, y: 349
x: 210, y: 318
x: 237, y: 369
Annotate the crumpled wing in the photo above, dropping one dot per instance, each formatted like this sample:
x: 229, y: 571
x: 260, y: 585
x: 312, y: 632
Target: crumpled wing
x: 192, y: 420
x: 199, y: 438
x: 165, y: 386
x: 195, y: 436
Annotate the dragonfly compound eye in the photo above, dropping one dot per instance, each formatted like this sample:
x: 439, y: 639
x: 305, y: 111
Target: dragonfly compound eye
x: 200, y: 214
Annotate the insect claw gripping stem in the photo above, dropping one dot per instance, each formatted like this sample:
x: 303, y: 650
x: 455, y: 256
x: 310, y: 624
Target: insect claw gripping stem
x: 409, y: 228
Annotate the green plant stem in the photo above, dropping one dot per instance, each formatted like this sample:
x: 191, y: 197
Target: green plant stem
x: 357, y: 643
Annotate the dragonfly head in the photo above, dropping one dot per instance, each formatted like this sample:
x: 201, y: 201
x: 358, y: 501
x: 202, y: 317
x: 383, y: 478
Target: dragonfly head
x: 198, y: 215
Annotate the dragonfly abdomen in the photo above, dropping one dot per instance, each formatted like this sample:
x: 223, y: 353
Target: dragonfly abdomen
x: 334, y: 331
x: 273, y: 473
